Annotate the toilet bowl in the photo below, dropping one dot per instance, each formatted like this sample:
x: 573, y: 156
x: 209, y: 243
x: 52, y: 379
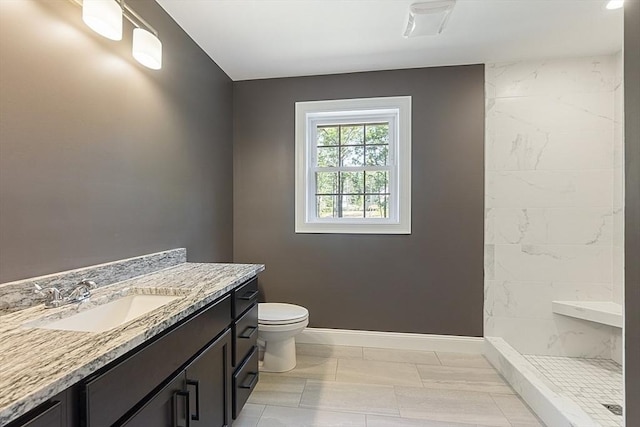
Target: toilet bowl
x: 278, y: 324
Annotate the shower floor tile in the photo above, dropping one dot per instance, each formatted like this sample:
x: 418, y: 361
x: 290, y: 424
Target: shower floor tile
x: 589, y: 382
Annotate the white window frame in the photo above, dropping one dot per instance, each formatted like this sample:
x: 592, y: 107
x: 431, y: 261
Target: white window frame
x: 310, y: 115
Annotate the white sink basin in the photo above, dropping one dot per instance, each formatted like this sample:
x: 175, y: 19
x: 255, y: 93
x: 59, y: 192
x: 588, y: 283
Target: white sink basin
x: 110, y: 315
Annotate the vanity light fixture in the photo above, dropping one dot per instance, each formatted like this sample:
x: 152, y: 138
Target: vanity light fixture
x: 615, y: 4
x: 147, y: 49
x: 146, y: 46
x: 428, y: 18
x: 105, y: 18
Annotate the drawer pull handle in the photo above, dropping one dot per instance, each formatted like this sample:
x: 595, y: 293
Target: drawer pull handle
x: 252, y: 330
x: 196, y: 384
x: 252, y: 382
x: 249, y: 295
x: 176, y: 396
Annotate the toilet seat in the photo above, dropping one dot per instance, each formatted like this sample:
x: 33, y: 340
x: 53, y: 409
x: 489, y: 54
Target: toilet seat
x: 281, y: 314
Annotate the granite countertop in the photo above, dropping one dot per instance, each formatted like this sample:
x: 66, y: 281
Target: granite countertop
x: 36, y: 364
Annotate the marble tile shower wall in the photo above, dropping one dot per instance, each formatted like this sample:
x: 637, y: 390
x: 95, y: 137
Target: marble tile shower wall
x: 550, y: 220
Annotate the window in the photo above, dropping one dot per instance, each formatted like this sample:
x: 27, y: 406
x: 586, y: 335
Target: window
x: 353, y: 166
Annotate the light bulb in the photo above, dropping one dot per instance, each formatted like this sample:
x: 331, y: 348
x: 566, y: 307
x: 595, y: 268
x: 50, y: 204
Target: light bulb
x: 615, y: 4
x: 147, y: 49
x: 104, y: 17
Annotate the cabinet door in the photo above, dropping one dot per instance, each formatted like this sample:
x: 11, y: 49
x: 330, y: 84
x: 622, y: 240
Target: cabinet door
x: 208, y: 380
x: 167, y: 408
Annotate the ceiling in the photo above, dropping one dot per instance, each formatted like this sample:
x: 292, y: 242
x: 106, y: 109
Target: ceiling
x: 255, y: 39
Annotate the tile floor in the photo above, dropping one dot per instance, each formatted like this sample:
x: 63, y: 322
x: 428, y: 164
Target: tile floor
x: 372, y: 387
x: 589, y: 382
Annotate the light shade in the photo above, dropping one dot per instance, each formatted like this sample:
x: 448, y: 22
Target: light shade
x: 428, y: 18
x: 615, y: 4
x: 104, y: 17
x: 147, y: 49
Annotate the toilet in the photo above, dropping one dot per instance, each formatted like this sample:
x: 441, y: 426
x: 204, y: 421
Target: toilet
x: 278, y: 324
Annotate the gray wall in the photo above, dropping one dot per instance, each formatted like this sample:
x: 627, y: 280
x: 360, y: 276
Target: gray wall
x: 632, y: 209
x: 101, y: 158
x: 426, y: 282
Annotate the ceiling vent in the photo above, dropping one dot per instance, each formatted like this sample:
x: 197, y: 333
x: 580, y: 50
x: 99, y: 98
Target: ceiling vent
x: 428, y: 18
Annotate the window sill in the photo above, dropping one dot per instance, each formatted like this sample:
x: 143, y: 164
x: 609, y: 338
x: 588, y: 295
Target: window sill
x: 332, y: 228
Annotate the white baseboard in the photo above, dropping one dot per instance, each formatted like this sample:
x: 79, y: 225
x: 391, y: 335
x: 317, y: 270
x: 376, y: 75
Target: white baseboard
x: 393, y: 340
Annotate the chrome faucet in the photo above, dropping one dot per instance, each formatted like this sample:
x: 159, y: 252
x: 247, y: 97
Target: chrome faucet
x: 82, y: 291
x: 54, y: 298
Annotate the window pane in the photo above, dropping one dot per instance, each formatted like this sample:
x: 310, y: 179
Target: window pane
x: 326, y: 206
x: 327, y: 157
x: 326, y: 182
x: 352, y: 135
x: 352, y: 182
x: 353, y: 206
x: 377, y: 206
x: 328, y: 135
x: 377, y: 182
x: 377, y: 155
x: 378, y: 134
x: 352, y: 156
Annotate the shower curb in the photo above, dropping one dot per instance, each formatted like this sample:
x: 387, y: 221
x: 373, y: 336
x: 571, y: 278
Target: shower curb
x: 546, y: 399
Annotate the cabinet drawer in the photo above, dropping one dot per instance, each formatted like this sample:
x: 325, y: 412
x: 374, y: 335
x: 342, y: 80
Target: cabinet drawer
x: 244, y: 297
x: 110, y: 395
x: 245, y: 330
x: 244, y: 381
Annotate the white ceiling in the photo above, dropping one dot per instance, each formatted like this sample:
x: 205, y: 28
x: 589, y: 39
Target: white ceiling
x: 253, y: 39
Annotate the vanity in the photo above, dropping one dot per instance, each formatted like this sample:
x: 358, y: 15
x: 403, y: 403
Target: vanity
x: 193, y: 361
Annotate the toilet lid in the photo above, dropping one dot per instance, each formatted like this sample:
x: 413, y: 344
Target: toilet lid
x: 274, y: 313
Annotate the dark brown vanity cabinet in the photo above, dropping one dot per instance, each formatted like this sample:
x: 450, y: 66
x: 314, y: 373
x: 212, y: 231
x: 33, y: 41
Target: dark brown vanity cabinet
x: 126, y: 386
x: 245, y: 350
x: 198, y: 396
x: 196, y: 373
